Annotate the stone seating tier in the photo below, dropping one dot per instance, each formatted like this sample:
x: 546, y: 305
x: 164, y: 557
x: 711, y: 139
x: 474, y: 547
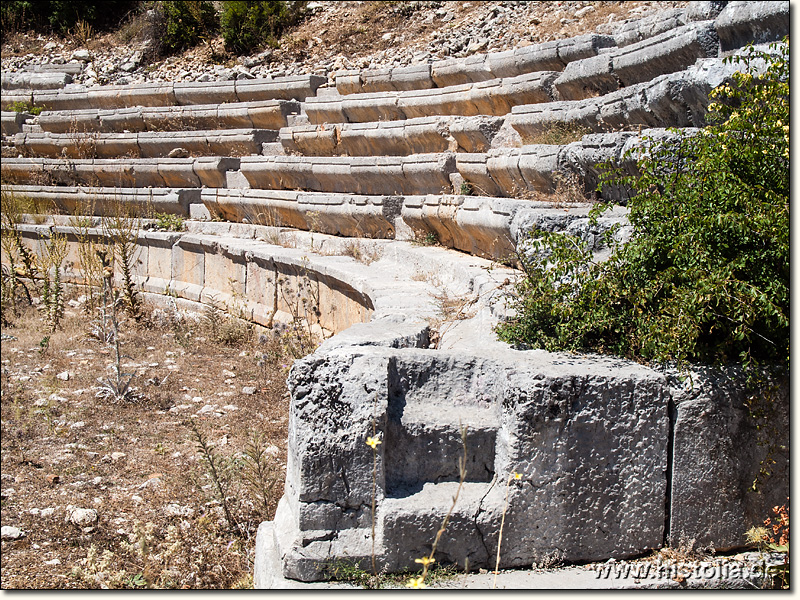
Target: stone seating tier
x: 169, y: 94
x: 267, y: 114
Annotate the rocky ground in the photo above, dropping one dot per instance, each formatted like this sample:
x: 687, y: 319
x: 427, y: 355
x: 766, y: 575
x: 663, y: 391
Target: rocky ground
x: 98, y: 491
x: 334, y: 36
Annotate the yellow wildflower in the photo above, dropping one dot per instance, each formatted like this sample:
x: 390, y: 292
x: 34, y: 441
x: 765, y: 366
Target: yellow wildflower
x: 425, y: 560
x: 373, y: 442
x: 517, y: 475
x: 416, y: 583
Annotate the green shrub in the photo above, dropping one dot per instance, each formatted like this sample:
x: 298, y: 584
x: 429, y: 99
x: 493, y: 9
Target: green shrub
x: 62, y: 15
x: 26, y: 107
x: 186, y: 23
x: 705, y: 275
x: 251, y: 24
x: 168, y: 222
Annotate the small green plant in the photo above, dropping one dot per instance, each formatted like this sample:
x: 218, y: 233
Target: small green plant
x: 122, y: 228
x: 26, y: 107
x: 169, y: 222
x: 52, y: 286
x: 217, y: 472
x: 466, y: 189
x: 116, y: 388
x: 259, y: 472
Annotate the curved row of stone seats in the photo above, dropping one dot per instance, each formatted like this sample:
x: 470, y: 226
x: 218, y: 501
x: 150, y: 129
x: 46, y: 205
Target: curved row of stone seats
x: 169, y: 94
x: 210, y: 171
x: 371, y: 175
x: 111, y: 201
x: 12, y: 122
x: 668, y: 52
x: 147, y: 144
x: 636, y: 30
x: 481, y: 226
x: 24, y: 80
x: 502, y: 172
x: 493, y: 97
x: 266, y: 114
x: 212, y: 266
x: 678, y: 99
x: 347, y: 215
x: 742, y: 23
x: 393, y: 138
x: 548, y: 56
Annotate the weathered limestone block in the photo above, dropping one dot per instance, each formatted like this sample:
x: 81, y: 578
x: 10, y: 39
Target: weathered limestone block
x: 703, y: 10
x: 296, y: 87
x: 211, y: 170
x: 517, y: 411
x: 377, y: 80
x: 636, y: 30
x: 538, y: 57
x: 188, y: 266
x: 72, y: 67
x: 158, y: 246
x: 472, y: 167
x: 34, y: 81
x: 7, y: 99
x: 475, y: 134
x: 178, y: 173
x: 585, y: 159
x: 457, y: 71
x: 741, y: 23
x: 107, y: 201
x: 582, y: 46
x: 717, y: 456
x: 367, y: 107
x: 349, y: 82
x: 666, y: 53
x: 12, y: 121
x: 324, y: 110
x: 587, y: 77
x: 196, y: 92
x: 453, y: 100
x: 413, y: 77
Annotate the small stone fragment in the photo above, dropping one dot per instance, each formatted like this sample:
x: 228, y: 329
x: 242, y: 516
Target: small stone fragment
x: 11, y: 533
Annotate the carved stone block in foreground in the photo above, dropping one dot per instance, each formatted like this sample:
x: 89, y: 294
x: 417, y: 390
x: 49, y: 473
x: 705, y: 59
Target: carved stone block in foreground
x: 588, y: 437
x: 616, y: 459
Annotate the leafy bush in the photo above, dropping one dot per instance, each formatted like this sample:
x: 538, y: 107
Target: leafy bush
x: 186, y: 23
x: 61, y: 15
x: 250, y: 24
x: 705, y: 275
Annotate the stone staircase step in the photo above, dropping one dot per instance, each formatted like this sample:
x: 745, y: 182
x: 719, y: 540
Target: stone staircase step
x: 12, y: 122
x: 494, y: 97
x: 108, y: 201
x: 23, y: 80
x: 135, y: 172
x: 393, y: 138
x: 267, y: 114
x: 548, y: 56
x: 668, y: 52
x: 148, y: 144
x: 75, y: 97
